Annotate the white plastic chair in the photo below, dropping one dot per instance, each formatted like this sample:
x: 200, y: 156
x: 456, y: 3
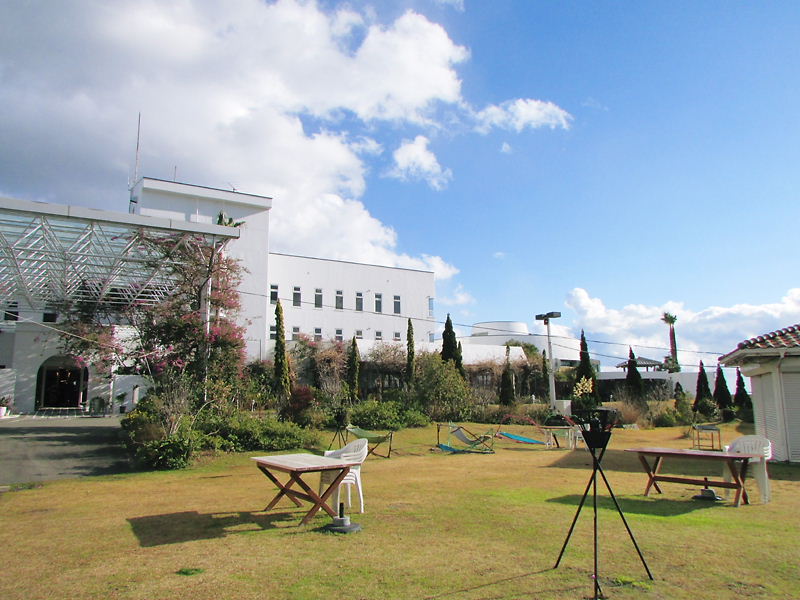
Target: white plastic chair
x: 355, y: 451
x: 753, y: 444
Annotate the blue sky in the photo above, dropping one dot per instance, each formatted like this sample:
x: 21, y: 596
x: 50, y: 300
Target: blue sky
x: 610, y: 160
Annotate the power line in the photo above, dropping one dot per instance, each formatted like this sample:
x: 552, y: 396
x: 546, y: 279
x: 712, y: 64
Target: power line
x: 496, y: 330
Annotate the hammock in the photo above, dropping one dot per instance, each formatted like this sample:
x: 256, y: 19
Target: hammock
x: 519, y: 438
x: 376, y: 439
x: 476, y: 444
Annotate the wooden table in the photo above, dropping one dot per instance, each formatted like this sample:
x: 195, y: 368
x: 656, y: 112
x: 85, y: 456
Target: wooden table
x: 298, y: 465
x: 737, y: 463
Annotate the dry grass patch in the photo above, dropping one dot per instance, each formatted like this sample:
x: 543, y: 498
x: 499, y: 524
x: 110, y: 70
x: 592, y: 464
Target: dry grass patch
x: 436, y: 526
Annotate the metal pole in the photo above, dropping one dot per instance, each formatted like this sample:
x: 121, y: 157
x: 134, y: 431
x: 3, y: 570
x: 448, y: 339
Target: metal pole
x: 552, y: 367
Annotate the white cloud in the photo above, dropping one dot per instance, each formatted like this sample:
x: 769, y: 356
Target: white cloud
x: 715, y: 329
x: 282, y: 98
x: 413, y: 161
x: 595, y: 104
x: 518, y: 114
x: 456, y: 4
x: 499, y: 255
x: 458, y: 296
x: 506, y: 148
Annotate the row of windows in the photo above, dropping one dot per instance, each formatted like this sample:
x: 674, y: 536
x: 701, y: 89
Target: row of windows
x: 297, y: 299
x: 338, y: 336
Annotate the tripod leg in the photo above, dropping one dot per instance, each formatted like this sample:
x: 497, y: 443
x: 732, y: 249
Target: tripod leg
x: 622, y: 516
x: 598, y: 593
x: 575, y: 520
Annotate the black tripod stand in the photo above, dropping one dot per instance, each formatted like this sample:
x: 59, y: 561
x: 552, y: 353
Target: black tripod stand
x: 596, y: 433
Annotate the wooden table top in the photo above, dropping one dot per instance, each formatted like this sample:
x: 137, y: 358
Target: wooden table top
x: 303, y: 462
x: 687, y: 453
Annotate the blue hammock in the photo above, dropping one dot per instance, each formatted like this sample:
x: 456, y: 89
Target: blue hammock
x: 472, y: 450
x: 518, y: 438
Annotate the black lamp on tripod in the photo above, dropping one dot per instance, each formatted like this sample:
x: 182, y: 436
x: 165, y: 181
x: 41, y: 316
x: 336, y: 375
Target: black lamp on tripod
x: 596, y: 425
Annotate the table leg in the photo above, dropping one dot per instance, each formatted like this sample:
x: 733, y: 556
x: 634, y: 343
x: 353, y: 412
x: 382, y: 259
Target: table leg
x: 651, y: 472
x: 319, y: 501
x: 281, y: 489
x: 738, y: 476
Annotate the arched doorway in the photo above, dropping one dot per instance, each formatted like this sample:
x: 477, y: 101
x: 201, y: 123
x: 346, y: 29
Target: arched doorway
x: 61, y: 383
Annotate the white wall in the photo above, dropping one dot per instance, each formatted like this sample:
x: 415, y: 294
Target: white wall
x: 134, y: 388
x: 499, y: 333
x: 309, y: 274
x: 776, y: 402
x: 196, y: 204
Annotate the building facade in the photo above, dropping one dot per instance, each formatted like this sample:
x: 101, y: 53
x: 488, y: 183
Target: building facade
x: 772, y: 362
x: 52, y: 254
x: 338, y: 300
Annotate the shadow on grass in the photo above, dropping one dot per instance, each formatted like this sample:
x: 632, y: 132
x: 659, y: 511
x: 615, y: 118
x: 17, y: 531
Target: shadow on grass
x: 175, y: 528
x: 661, y: 507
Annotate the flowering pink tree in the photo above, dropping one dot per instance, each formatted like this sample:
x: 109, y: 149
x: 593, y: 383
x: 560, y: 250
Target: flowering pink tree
x: 192, y: 331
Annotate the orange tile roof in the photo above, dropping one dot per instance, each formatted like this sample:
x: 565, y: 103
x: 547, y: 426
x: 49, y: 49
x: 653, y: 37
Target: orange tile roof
x: 788, y: 337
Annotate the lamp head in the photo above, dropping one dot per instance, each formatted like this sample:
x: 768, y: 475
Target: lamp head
x: 547, y: 316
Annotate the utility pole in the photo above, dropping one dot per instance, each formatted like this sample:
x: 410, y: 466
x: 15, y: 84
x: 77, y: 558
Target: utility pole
x: 546, y: 318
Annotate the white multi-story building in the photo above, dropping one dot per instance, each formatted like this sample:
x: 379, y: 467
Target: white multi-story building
x: 52, y: 253
x: 338, y: 300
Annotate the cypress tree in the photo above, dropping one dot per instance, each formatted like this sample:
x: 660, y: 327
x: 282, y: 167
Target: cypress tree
x: 741, y: 399
x: 722, y: 395
x: 410, y: 355
x: 703, y: 401
x: 586, y: 370
x: 460, y: 361
x: 449, y: 345
x: 281, y: 381
x: 633, y: 379
x: 507, y: 383
x: 544, y: 384
x: 352, y: 370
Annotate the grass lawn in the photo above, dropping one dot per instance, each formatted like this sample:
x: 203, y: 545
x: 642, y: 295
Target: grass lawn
x: 437, y: 526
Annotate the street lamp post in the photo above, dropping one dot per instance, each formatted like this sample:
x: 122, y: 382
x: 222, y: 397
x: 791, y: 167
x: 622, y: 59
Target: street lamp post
x: 546, y: 318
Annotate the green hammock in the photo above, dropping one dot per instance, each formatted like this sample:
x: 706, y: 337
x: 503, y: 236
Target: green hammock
x: 376, y: 439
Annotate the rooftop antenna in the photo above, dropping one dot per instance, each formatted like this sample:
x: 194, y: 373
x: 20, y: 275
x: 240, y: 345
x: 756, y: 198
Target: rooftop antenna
x: 133, y: 199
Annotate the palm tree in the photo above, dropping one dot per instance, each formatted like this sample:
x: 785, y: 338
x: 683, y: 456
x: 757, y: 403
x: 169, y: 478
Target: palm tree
x: 672, y: 364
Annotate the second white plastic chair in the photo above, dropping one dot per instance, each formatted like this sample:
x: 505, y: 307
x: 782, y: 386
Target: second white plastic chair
x: 355, y: 451
x: 753, y: 444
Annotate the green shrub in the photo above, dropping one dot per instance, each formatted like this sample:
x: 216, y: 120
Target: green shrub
x: 415, y: 418
x: 373, y: 414
x: 283, y: 436
x: 242, y: 431
x: 745, y: 414
x: 667, y: 418
x: 171, y: 453
x: 138, y: 427
x: 489, y: 413
x: 707, y: 409
x: 441, y: 390
x: 683, y: 409
x: 539, y: 412
x: 300, y: 406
